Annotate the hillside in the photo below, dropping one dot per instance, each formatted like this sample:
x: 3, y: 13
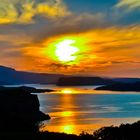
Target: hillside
x: 11, y: 76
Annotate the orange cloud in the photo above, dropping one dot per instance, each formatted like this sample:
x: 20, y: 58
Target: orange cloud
x: 115, y: 48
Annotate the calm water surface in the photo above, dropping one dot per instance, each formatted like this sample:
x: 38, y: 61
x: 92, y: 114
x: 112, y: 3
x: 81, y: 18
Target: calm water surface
x: 77, y: 109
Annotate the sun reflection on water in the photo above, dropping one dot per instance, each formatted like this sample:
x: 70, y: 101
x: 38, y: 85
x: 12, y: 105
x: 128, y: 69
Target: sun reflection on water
x: 76, y: 90
x: 69, y: 129
x: 71, y: 90
x: 67, y: 114
x: 67, y: 91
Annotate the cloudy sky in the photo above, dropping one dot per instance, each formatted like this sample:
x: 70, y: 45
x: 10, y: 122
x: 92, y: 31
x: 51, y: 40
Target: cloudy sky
x: 109, y: 31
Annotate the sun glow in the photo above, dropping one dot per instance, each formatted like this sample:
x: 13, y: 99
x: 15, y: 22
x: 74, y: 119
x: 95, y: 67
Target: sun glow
x: 67, y: 91
x: 65, y: 51
x: 67, y: 114
x: 69, y: 129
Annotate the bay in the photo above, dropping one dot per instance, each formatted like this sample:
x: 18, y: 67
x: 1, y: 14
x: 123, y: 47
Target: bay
x: 77, y: 109
x: 82, y: 108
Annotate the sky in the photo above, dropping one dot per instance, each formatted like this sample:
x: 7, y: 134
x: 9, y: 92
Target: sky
x: 88, y: 37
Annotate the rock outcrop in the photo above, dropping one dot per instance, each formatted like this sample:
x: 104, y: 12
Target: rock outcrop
x: 19, y: 110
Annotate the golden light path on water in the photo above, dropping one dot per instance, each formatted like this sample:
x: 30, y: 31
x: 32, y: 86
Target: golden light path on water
x: 69, y: 90
x: 76, y: 90
x: 67, y: 116
x: 71, y: 120
x: 74, y: 109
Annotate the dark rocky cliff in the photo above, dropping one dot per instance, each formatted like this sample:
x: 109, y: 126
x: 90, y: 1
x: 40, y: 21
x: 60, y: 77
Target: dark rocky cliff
x: 19, y: 110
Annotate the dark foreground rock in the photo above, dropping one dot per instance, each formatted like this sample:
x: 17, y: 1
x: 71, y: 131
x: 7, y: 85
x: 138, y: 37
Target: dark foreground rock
x: 122, y: 132
x: 19, y: 110
x: 121, y: 87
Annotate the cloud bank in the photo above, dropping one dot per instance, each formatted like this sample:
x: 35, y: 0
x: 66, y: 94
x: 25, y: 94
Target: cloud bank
x: 24, y: 11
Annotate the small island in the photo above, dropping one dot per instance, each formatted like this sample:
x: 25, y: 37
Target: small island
x: 83, y: 81
x: 121, y: 87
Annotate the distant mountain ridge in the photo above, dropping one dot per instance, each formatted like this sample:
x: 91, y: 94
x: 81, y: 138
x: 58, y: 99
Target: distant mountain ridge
x: 11, y: 76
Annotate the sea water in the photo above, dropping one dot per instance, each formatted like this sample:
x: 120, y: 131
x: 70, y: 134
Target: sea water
x: 82, y: 108
x: 77, y: 109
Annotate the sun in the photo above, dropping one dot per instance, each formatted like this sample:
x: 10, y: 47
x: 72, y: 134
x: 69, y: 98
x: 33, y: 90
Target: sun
x: 65, y: 51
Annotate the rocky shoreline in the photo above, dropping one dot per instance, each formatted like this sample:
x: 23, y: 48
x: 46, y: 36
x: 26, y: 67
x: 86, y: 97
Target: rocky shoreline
x: 19, y: 110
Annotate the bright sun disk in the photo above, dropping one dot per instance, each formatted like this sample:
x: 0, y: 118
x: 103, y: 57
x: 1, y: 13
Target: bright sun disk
x: 65, y: 51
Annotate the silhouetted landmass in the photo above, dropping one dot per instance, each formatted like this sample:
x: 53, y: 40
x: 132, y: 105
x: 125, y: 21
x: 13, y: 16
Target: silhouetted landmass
x: 28, y: 89
x: 19, y: 110
x: 4, y: 83
x: 121, y: 87
x: 126, y: 80
x: 122, y: 132
x: 11, y: 76
x: 63, y: 136
x: 76, y: 81
x: 34, y: 90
